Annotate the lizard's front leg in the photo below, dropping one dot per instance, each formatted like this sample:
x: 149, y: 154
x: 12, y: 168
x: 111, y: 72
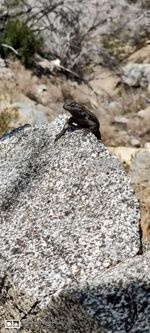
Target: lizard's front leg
x: 66, y: 126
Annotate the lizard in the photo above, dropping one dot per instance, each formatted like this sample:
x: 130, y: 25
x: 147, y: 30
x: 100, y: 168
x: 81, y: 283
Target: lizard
x: 81, y: 116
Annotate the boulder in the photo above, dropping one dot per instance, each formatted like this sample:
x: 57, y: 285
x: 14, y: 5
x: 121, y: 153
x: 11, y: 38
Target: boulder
x: 144, y: 114
x: 28, y: 113
x: 140, y: 168
x: 68, y: 215
x: 127, y: 154
x: 135, y: 142
x: 147, y: 145
x: 136, y: 75
x: 116, y: 301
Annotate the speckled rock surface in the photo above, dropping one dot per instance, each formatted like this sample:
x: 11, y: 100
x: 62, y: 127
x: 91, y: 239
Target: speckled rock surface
x: 67, y: 211
x: 117, y: 300
x: 136, y: 75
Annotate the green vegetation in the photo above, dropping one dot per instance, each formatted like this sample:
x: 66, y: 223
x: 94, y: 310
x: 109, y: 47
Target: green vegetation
x: 110, y: 44
x: 115, y: 47
x: 23, y: 39
x: 8, y: 116
x: 13, y: 3
x: 132, y: 1
x: 5, y: 119
x: 145, y: 4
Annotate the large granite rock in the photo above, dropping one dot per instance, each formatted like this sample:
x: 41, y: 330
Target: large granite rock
x: 116, y: 301
x: 67, y: 214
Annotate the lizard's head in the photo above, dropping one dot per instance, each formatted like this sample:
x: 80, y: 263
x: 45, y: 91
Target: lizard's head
x: 71, y: 106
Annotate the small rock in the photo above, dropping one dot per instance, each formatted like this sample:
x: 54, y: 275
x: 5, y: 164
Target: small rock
x: 135, y: 142
x: 2, y: 63
x: 127, y: 154
x: 140, y: 168
x: 115, y: 107
x: 120, y: 120
x: 5, y: 72
x: 144, y: 114
x: 136, y: 75
x: 147, y: 145
x: 29, y: 114
x: 106, y: 263
x: 41, y: 88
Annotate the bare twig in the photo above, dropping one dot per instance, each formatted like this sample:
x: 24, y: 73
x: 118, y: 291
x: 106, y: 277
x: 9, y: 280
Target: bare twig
x: 11, y: 48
